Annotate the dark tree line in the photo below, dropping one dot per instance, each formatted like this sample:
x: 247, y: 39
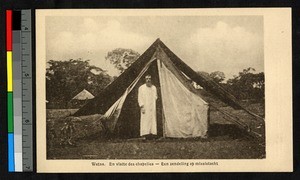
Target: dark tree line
x: 247, y: 85
x: 65, y: 79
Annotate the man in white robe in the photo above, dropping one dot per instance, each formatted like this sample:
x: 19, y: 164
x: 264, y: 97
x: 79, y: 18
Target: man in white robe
x: 147, y: 96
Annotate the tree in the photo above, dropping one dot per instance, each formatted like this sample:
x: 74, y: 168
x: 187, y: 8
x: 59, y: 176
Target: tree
x: 122, y: 58
x: 248, y: 84
x: 64, y: 79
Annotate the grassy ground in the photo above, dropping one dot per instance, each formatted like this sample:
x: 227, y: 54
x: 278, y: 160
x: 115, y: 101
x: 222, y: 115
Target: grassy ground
x: 225, y: 141
x: 226, y: 147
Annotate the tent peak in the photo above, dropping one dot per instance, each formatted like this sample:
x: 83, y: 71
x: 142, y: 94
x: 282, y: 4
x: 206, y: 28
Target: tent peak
x: 157, y: 41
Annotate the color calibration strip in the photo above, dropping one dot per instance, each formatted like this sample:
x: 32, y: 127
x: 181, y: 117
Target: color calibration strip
x: 10, y: 113
x: 19, y: 90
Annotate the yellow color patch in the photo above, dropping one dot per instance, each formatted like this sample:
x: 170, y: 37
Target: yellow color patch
x: 9, y: 72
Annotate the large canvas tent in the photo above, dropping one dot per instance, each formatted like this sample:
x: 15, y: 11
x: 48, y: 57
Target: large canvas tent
x: 181, y: 111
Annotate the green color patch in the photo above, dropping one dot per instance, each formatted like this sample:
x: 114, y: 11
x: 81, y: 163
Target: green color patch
x: 10, y: 112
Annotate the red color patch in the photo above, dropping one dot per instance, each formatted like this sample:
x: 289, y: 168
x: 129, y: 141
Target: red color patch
x: 8, y: 30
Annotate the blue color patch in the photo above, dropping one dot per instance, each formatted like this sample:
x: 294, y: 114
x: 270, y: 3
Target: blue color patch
x: 11, y: 153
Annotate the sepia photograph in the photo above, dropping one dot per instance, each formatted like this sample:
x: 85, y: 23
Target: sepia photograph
x: 166, y: 88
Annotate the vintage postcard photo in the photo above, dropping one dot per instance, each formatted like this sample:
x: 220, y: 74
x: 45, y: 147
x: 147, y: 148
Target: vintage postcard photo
x: 164, y: 90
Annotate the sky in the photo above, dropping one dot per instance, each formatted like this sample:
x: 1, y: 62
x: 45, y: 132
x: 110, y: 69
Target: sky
x: 206, y: 43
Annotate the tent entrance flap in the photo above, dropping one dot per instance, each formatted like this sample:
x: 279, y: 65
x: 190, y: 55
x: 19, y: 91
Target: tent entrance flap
x: 113, y: 113
x: 185, y: 113
x: 123, y: 118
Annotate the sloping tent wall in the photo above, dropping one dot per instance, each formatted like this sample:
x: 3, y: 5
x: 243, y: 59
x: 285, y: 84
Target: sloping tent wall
x: 185, y: 112
x: 201, y: 80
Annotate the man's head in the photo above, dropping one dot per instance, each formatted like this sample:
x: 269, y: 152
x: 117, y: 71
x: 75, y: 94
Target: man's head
x: 148, y: 80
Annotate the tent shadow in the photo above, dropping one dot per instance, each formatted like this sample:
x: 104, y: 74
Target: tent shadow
x: 226, y: 130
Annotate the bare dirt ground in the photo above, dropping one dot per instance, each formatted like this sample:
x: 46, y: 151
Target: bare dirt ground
x: 225, y: 141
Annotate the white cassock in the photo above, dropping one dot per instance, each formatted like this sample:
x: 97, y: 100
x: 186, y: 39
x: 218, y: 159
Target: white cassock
x: 147, y: 97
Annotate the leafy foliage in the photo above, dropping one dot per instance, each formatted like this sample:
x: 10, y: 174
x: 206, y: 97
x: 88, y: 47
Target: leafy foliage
x: 122, y: 58
x: 64, y: 79
x: 248, y: 85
